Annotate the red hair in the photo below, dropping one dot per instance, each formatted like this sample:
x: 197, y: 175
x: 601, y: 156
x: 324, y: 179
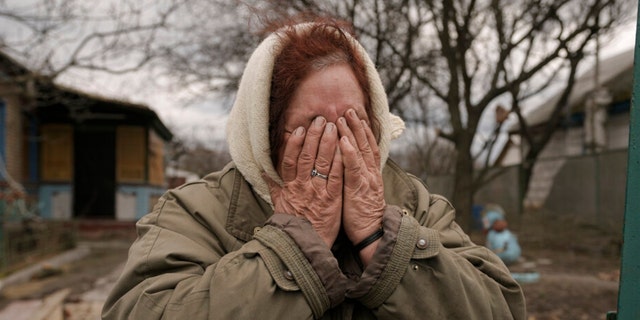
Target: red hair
x: 324, y: 43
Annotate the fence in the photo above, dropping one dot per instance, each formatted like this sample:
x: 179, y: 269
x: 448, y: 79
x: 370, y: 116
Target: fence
x: 25, y: 238
x: 589, y: 187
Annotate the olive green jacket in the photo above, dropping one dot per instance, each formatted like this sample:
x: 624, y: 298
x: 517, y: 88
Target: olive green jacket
x: 212, y: 249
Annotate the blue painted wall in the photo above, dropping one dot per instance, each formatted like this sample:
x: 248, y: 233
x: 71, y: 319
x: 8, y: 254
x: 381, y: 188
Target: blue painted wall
x: 143, y: 195
x: 46, y: 193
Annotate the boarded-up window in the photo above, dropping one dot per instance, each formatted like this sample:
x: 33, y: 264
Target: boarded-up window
x: 57, y: 152
x: 130, y: 154
x: 156, y: 159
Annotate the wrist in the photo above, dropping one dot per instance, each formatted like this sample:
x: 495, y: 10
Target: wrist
x: 370, y: 239
x: 366, y: 254
x: 361, y: 230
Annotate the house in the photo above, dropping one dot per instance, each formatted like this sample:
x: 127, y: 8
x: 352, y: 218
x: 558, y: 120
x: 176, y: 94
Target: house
x: 78, y: 155
x: 571, y: 139
x: 582, y: 169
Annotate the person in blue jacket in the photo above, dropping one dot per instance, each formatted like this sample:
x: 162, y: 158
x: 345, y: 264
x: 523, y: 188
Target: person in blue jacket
x: 499, y: 238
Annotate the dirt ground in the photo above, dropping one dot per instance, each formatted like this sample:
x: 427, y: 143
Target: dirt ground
x: 578, y: 265
x: 79, y: 275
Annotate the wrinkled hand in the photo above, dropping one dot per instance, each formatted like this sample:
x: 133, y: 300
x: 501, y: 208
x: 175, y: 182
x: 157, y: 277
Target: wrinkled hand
x: 316, y: 199
x: 363, y: 195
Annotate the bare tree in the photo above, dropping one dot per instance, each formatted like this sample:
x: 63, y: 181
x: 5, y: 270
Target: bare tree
x: 175, y: 43
x: 425, y: 154
x: 461, y: 56
x: 52, y: 37
x: 187, y: 152
x: 492, y: 48
x: 203, y: 161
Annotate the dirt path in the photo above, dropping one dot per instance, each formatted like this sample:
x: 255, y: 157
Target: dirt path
x: 578, y: 265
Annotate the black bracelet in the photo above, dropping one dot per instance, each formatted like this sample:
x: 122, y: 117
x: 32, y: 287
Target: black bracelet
x: 369, y: 240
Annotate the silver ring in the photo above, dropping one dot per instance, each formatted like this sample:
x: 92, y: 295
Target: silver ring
x: 315, y: 173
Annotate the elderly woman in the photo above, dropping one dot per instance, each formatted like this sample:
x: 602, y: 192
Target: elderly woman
x: 310, y: 220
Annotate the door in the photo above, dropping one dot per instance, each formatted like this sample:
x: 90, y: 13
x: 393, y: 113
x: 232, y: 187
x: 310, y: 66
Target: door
x: 94, y: 172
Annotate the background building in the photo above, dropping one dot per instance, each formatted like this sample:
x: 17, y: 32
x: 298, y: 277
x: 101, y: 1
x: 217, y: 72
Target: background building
x: 74, y: 155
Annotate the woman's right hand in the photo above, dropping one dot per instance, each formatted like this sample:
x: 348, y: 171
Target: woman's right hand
x: 317, y: 199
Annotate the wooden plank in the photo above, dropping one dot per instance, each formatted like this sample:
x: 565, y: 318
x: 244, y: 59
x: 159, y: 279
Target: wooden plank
x: 57, y: 152
x: 53, y: 306
x: 131, y: 152
x: 156, y: 159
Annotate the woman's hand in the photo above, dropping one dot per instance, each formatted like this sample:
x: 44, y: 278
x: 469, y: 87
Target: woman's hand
x: 363, y: 194
x: 313, y: 197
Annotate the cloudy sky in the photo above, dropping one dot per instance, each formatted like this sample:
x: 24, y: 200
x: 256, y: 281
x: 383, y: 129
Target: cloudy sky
x: 205, y: 121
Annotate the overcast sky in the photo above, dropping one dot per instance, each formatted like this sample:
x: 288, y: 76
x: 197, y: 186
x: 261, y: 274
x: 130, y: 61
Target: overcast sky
x: 205, y: 121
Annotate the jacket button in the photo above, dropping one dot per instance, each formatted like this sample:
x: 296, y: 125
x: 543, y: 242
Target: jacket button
x: 421, y: 244
x: 288, y: 275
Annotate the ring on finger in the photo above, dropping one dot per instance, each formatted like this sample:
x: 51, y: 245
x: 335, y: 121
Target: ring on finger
x: 315, y: 173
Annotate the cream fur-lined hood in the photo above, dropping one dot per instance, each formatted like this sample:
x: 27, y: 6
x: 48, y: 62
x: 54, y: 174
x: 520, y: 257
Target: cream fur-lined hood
x: 248, y: 124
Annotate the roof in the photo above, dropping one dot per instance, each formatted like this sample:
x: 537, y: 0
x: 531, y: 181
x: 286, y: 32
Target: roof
x: 616, y: 74
x: 9, y: 67
x: 99, y: 105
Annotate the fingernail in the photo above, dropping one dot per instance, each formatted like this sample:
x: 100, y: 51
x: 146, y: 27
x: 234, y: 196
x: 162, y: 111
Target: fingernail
x: 342, y: 121
x: 299, y: 131
x: 319, y: 122
x: 329, y: 128
x: 351, y: 113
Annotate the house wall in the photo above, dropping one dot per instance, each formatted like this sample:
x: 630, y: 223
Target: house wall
x: 133, y: 202
x: 131, y: 154
x: 14, y: 138
x: 563, y: 143
x: 56, y: 201
x: 618, y: 132
x: 56, y: 153
x: 567, y: 181
x: 55, y: 190
x: 569, y: 143
x: 134, y: 196
x: 140, y: 172
x: 155, y: 159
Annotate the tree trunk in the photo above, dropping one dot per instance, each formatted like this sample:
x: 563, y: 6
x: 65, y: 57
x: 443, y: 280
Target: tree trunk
x: 526, y: 168
x: 463, y: 188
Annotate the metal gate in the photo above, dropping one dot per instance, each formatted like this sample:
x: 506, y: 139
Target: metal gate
x: 629, y: 293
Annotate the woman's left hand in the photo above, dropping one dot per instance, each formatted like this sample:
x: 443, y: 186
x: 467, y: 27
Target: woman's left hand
x: 363, y: 194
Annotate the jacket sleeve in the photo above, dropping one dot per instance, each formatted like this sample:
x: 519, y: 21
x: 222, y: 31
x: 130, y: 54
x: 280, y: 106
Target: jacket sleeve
x: 180, y: 267
x: 426, y: 267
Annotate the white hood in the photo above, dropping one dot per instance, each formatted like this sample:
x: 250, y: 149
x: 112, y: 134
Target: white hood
x: 248, y: 124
